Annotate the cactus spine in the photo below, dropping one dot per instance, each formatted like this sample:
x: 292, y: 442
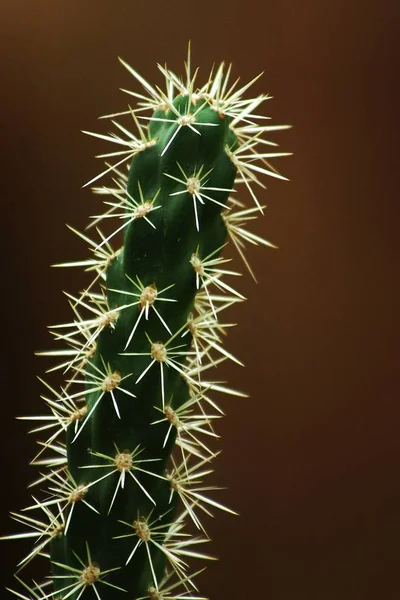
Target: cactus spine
x: 121, y: 483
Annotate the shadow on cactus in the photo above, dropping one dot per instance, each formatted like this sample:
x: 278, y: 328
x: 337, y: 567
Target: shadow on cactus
x: 130, y: 431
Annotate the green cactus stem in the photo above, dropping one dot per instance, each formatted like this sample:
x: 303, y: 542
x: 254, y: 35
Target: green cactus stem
x: 122, y: 496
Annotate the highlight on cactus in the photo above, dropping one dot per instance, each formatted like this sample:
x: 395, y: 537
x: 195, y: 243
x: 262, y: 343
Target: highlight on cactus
x: 129, y: 435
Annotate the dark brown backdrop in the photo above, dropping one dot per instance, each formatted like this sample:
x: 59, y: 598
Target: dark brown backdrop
x: 311, y: 459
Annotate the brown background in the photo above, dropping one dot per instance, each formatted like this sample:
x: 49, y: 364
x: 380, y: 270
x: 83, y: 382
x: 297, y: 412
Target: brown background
x: 312, y: 458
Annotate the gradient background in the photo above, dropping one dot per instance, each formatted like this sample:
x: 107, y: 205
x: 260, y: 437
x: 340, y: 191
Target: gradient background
x: 311, y: 459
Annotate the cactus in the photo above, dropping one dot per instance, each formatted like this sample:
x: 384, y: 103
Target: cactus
x: 121, y: 497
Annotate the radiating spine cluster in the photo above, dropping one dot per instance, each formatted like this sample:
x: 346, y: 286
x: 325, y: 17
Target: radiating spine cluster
x: 121, y: 486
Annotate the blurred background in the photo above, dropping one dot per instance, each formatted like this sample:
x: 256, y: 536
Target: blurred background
x: 311, y: 458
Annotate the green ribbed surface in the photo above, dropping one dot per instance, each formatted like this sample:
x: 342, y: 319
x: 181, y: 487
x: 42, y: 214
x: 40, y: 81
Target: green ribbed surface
x: 158, y: 256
